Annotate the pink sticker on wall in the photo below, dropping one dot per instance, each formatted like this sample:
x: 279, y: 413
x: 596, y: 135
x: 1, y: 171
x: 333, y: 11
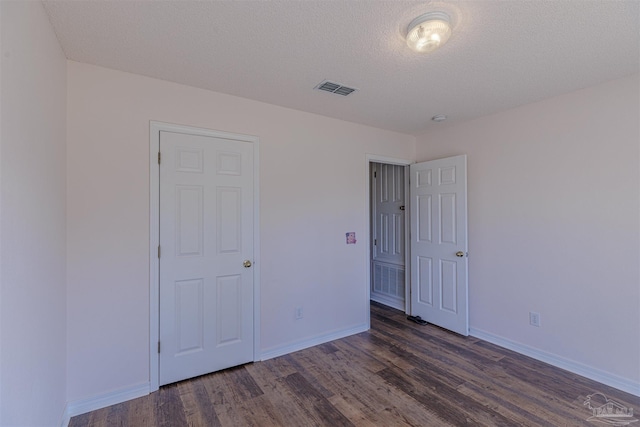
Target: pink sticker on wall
x: 351, y: 238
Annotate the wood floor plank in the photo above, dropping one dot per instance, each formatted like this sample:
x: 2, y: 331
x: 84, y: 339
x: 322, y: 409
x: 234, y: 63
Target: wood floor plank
x: 99, y: 418
x: 198, y: 408
x: 81, y: 420
x: 242, y: 384
x: 117, y: 415
x: 366, y: 348
x: 439, y: 359
x: 548, y: 406
x: 369, y: 394
x: 168, y: 408
x: 508, y: 408
x: 396, y: 374
x: 451, y: 344
x: 319, y: 410
x: 417, y: 352
x: 564, y: 384
x: 228, y: 400
x: 469, y: 373
x: 140, y: 412
x: 303, y: 365
x: 351, y: 381
x: 362, y: 347
x: 450, y: 405
x: 474, y: 373
x: 263, y: 412
x: 352, y: 412
x: 290, y: 412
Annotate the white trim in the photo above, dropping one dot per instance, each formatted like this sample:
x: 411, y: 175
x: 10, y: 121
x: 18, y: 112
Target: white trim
x: 389, y: 160
x: 321, y: 339
x: 154, y: 266
x: 66, y: 418
x: 2, y: 144
x: 382, y: 299
x: 598, y: 375
x: 83, y: 406
x: 257, y: 353
x: 154, y: 224
x: 374, y: 158
x: 407, y: 241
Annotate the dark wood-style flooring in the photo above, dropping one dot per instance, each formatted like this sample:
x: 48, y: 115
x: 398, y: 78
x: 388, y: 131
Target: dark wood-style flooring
x: 396, y: 374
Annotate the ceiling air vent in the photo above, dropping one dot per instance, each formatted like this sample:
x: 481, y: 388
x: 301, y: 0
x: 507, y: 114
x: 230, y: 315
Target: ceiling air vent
x: 336, y: 88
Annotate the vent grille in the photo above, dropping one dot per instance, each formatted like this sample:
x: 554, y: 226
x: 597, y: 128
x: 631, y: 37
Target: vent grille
x: 388, y: 279
x: 336, y: 88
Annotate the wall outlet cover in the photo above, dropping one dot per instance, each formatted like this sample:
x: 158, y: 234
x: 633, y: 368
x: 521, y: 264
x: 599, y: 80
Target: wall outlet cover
x: 534, y: 318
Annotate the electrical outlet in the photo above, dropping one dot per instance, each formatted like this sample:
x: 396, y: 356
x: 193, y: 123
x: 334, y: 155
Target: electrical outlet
x: 299, y: 313
x: 534, y: 318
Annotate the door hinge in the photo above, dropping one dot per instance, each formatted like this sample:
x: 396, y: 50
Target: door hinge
x: 158, y: 346
x: 158, y: 251
x: 159, y: 157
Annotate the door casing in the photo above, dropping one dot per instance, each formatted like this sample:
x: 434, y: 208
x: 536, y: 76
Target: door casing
x: 154, y: 236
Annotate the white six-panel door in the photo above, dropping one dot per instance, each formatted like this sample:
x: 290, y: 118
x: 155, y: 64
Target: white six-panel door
x: 438, y: 191
x: 206, y: 235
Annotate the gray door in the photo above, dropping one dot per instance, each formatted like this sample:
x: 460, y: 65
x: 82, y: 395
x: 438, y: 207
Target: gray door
x: 388, y: 234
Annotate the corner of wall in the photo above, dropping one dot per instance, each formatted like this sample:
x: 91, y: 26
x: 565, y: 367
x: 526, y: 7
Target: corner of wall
x: 1, y: 143
x: 32, y: 217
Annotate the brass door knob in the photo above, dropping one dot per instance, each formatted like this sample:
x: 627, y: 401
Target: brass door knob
x: 246, y: 263
x: 459, y: 254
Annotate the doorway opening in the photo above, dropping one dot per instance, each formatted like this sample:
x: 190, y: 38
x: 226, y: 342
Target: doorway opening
x: 388, y: 243
x: 435, y: 257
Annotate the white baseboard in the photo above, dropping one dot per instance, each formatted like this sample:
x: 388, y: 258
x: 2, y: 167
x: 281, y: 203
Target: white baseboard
x: 603, y: 377
x: 390, y: 302
x: 65, y: 416
x: 83, y: 406
x: 321, y: 339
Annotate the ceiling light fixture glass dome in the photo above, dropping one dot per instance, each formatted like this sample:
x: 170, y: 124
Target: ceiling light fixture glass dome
x: 428, y: 32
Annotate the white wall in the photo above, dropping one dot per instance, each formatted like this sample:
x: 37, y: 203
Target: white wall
x: 553, y: 225
x: 553, y: 204
x: 312, y: 191
x: 32, y: 225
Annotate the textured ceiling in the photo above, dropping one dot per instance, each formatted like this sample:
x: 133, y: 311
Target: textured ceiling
x: 502, y: 53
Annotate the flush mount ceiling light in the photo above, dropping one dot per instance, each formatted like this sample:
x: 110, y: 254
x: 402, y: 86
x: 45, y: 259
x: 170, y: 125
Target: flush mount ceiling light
x: 428, y: 32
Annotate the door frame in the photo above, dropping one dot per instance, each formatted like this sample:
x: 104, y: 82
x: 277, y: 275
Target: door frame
x: 374, y: 158
x: 154, y: 236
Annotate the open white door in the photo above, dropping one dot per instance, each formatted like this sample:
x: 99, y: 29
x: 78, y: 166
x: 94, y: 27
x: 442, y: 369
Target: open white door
x: 439, y: 290
x: 206, y: 254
